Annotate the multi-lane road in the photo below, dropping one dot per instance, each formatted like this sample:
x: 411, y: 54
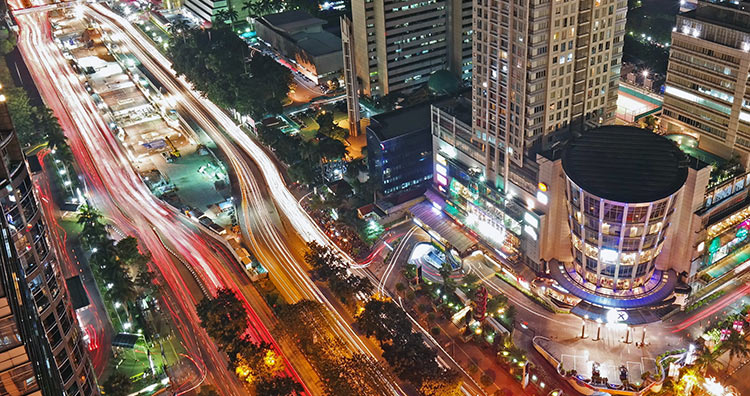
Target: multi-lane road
x: 115, y: 188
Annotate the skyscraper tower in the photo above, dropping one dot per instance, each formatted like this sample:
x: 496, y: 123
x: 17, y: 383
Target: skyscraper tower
x: 541, y: 67
x: 35, y: 309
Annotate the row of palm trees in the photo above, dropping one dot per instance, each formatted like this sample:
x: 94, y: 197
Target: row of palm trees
x: 254, y: 9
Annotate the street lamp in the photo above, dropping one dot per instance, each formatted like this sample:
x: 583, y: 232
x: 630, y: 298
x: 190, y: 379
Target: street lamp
x: 583, y: 327
x: 627, y: 334
x: 598, y: 329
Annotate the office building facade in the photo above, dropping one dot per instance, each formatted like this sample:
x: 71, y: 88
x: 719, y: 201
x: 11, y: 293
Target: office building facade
x: 397, y: 45
x: 33, y: 284
x: 707, y: 94
x: 399, y: 150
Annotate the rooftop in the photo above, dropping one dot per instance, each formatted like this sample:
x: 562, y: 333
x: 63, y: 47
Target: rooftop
x: 625, y: 164
x: 318, y: 43
x: 292, y: 21
x: 728, y: 14
x: 401, y: 122
x: 459, y: 107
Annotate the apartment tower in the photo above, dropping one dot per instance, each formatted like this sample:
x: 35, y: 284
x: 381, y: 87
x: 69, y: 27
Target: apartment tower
x: 35, y: 309
x: 707, y: 93
x: 541, y: 67
x: 398, y: 44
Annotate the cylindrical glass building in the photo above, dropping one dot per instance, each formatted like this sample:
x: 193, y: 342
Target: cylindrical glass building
x: 621, y: 189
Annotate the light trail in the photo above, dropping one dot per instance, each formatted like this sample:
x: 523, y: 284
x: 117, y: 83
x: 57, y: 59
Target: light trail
x: 270, y: 245
x: 118, y: 190
x: 713, y: 308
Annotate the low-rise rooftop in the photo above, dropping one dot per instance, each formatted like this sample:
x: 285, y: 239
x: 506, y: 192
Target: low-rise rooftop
x: 400, y: 122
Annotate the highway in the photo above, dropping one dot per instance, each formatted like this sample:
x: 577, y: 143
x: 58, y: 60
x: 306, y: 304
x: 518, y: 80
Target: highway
x: 269, y: 214
x: 273, y: 222
x: 115, y: 188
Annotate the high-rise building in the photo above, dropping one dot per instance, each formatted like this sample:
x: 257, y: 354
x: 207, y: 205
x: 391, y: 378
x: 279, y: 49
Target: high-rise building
x: 206, y: 11
x: 350, y: 76
x: 397, y: 45
x: 35, y: 309
x: 707, y: 93
x: 540, y: 67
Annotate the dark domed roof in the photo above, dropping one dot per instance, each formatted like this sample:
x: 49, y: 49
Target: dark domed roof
x: 443, y: 82
x: 625, y: 164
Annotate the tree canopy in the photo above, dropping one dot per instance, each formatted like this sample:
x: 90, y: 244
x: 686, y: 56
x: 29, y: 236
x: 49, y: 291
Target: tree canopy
x: 216, y: 61
x: 278, y: 386
x: 328, y: 265
x: 118, y: 384
x: 403, y: 349
x: 224, y: 317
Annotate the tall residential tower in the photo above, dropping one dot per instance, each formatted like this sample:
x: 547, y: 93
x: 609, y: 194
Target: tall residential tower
x: 539, y: 67
x: 398, y: 44
x: 35, y: 309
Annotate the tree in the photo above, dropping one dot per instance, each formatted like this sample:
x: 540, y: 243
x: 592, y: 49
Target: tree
x: 208, y: 390
x: 145, y: 281
x: 254, y: 362
x: 118, y: 384
x: 130, y: 255
x: 736, y: 345
x: 179, y: 28
x: 498, y: 304
x: 410, y: 359
x: 322, y: 260
x: 469, y: 285
x: 279, y: 386
x: 383, y: 320
x: 708, y: 359
x: 222, y: 16
x: 8, y: 40
x: 123, y: 287
x: 331, y: 149
x: 449, y: 284
x: 224, y: 317
x: 215, y: 62
x: 443, y: 383
x: 302, y: 173
x: 50, y: 125
x: 104, y: 259
x: 23, y: 115
x: 311, y: 7
x: 94, y: 231
x: 268, y: 135
x: 271, y: 83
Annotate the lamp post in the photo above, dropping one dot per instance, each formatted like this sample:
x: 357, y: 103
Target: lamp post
x: 598, y: 329
x: 627, y: 334
x: 583, y: 327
